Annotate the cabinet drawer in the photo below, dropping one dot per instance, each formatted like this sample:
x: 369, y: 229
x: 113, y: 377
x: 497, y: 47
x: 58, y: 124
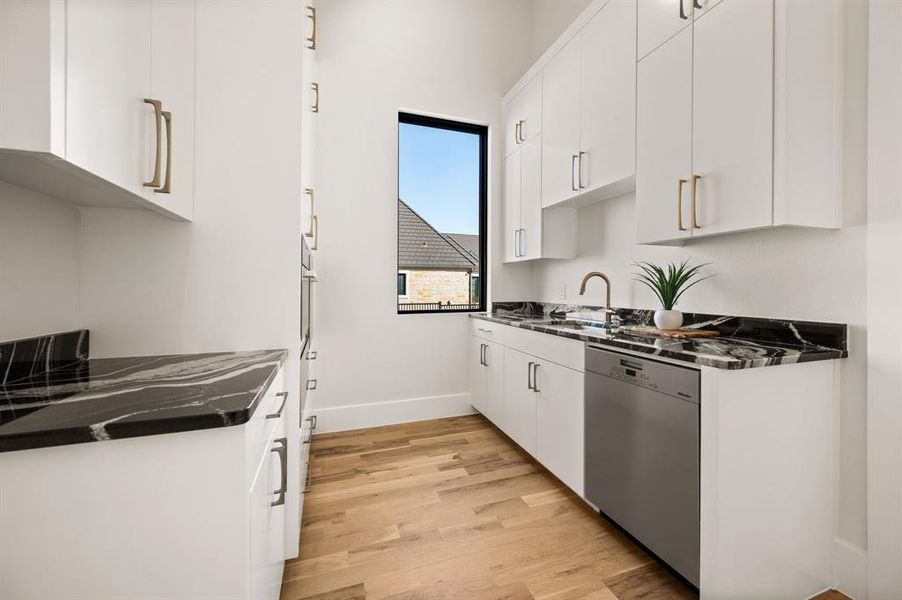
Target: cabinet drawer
x: 259, y: 430
x: 487, y: 330
x: 563, y: 351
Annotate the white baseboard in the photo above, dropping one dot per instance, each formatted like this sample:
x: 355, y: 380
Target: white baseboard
x: 850, y: 570
x: 359, y: 416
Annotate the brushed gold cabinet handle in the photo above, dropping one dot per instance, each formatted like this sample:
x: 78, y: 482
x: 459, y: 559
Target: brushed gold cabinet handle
x: 167, y: 116
x: 311, y: 41
x: 315, y: 87
x: 695, y: 224
x: 580, y: 172
x: 314, y: 225
x: 680, y: 183
x: 309, y: 192
x: 573, y: 159
x: 158, y: 117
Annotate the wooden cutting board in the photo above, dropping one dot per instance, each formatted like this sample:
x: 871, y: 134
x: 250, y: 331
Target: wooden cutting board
x: 680, y: 334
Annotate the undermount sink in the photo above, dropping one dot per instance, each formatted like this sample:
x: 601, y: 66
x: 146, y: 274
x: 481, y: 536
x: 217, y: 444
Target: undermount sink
x: 587, y: 326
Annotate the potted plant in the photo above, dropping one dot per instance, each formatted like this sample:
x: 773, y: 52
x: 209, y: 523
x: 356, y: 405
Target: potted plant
x: 669, y: 283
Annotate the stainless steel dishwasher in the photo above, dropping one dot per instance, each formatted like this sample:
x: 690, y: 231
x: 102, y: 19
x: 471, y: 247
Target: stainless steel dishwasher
x: 642, y: 452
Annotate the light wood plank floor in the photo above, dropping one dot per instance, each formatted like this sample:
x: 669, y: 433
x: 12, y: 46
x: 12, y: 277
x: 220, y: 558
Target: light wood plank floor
x: 452, y: 509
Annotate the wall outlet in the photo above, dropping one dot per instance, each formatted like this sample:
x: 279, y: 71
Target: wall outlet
x: 563, y: 293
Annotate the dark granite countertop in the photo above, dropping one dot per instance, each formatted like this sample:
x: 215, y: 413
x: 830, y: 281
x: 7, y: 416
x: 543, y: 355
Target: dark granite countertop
x: 743, y: 343
x: 54, y: 397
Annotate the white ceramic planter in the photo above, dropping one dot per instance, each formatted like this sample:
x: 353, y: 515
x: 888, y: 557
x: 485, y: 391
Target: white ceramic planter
x: 668, y: 319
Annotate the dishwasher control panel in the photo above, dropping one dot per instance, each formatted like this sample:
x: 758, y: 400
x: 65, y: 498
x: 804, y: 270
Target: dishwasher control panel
x: 674, y: 380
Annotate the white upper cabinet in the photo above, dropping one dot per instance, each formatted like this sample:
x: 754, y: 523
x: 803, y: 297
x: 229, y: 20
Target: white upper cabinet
x: 739, y: 121
x: 108, y: 126
x: 608, y: 100
x: 660, y: 20
x: 523, y: 115
x: 664, y: 134
x: 589, y: 111
x: 78, y: 126
x: 172, y: 82
x: 531, y: 224
x: 560, y: 125
x: 310, y: 82
x: 511, y: 194
x: 732, y: 110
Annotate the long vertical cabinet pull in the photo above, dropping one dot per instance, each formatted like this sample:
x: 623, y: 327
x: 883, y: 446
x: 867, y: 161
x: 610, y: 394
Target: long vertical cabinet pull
x: 535, y: 377
x: 522, y: 247
x: 167, y: 182
x: 579, y: 177
x: 282, y: 452
x: 517, y: 132
x: 680, y: 183
x: 683, y: 14
x: 573, y: 160
x: 315, y: 106
x: 314, y: 225
x: 517, y: 243
x: 529, y: 372
x: 158, y: 118
x: 695, y: 224
x: 311, y: 41
x: 309, y: 192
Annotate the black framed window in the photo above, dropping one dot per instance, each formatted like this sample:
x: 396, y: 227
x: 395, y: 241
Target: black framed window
x: 442, y: 208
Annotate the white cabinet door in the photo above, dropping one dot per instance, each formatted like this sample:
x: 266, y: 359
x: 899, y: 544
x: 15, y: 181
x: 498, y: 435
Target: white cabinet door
x: 531, y: 199
x: 559, y: 422
x: 663, y: 138
x: 732, y: 107
x: 267, y: 525
x: 531, y: 109
x: 659, y: 20
x: 511, y: 207
x: 512, y: 110
x: 109, y: 128
x: 172, y: 82
x: 560, y: 124
x: 608, y: 90
x: 519, y: 400
x: 494, y: 384
x: 308, y: 131
x: 477, y: 375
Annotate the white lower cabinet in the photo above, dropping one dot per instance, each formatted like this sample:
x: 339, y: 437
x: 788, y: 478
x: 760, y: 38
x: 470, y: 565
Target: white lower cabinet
x: 189, y: 515
x: 559, y: 422
x: 519, y: 385
x: 487, y: 379
x: 519, y: 399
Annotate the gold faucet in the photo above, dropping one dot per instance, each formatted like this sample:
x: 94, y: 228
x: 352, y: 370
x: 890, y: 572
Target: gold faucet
x: 607, y: 302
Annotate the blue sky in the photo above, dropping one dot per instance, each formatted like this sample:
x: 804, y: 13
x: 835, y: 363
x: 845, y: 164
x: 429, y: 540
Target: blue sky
x: 438, y: 176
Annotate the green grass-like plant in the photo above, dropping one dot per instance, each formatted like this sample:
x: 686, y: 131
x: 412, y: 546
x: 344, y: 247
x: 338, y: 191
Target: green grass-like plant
x: 670, y: 282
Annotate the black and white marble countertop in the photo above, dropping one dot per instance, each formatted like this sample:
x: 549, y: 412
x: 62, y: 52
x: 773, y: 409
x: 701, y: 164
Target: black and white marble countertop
x: 743, y: 343
x: 73, y: 399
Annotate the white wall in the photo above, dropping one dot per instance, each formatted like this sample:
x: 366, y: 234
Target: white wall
x: 39, y: 268
x: 549, y: 19
x: 455, y: 59
x: 884, y: 302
